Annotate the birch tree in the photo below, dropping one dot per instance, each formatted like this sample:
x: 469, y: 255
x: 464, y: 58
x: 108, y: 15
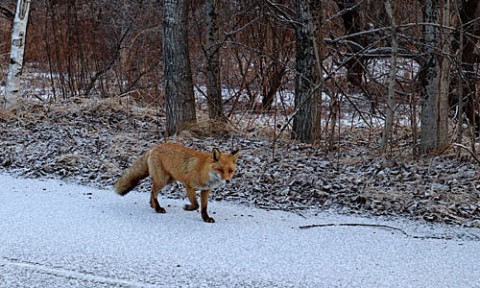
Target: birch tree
x: 17, y: 49
x: 180, y: 101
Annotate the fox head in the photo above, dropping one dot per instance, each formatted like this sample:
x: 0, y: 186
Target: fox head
x: 224, y: 164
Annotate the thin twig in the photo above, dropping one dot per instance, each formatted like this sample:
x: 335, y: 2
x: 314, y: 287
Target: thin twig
x: 440, y: 237
x: 475, y: 156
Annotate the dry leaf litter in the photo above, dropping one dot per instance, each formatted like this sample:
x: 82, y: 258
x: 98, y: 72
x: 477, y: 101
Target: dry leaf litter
x: 93, y: 141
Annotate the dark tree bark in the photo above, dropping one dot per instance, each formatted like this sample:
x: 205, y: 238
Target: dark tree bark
x: 214, y: 89
x: 273, y: 70
x: 468, y: 12
x: 180, y: 101
x: 306, y: 78
x: 272, y: 84
x: 434, y: 77
x: 6, y: 12
x: 352, y: 24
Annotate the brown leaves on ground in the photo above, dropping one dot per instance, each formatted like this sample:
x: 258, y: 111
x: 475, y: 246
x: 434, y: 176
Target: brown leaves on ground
x: 93, y: 141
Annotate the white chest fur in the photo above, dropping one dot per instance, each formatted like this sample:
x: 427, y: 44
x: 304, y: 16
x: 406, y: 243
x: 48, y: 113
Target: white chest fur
x: 212, y: 183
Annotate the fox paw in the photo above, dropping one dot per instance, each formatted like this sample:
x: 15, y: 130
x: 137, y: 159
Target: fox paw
x: 159, y: 209
x: 208, y: 219
x: 156, y: 206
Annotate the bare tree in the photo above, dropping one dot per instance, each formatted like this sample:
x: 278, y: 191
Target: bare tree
x: 465, y: 46
x: 391, y: 85
x: 350, y: 14
x: 273, y: 67
x: 212, y: 47
x: 306, y: 78
x: 180, y: 101
x: 17, y: 50
x: 435, y: 77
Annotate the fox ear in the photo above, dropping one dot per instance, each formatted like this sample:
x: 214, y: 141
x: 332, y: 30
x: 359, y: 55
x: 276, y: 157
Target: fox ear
x: 216, y: 154
x: 235, y: 154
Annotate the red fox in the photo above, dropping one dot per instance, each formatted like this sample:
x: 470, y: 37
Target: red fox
x: 167, y: 163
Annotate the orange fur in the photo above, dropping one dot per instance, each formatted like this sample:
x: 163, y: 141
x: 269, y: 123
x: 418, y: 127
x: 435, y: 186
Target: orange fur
x: 167, y: 163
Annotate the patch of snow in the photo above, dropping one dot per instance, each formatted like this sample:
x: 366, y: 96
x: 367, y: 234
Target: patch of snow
x: 56, y: 234
x: 378, y: 68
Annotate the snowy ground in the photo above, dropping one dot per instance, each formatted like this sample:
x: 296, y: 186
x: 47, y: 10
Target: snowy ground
x: 55, y: 234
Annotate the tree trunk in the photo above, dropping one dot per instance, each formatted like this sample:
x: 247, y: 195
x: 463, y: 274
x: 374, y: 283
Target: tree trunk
x: 468, y: 11
x: 435, y: 78
x: 458, y: 51
x: 15, y: 67
x: 178, y: 83
x: 304, y: 120
x: 212, y: 48
x: 352, y: 24
x: 272, y: 82
x: 393, y: 77
x: 443, y: 106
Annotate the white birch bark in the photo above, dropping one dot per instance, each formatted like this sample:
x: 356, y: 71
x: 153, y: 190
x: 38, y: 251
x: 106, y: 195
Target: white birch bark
x: 15, y: 66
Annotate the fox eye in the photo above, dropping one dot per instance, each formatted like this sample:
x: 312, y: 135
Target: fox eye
x: 230, y: 171
x: 220, y: 170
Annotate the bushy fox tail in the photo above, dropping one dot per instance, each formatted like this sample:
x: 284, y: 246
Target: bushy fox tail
x: 133, y: 175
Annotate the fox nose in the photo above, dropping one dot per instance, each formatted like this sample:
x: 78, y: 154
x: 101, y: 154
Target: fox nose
x: 228, y: 181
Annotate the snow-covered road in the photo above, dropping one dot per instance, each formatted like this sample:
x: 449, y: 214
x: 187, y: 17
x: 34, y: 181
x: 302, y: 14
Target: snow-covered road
x: 54, y: 234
